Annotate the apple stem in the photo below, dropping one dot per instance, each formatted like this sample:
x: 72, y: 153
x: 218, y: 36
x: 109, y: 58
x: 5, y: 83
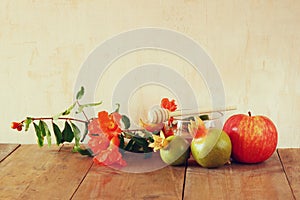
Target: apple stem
x: 249, y: 113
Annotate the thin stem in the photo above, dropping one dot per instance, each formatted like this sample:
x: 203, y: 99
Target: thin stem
x: 132, y: 130
x: 61, y: 118
x: 82, y: 111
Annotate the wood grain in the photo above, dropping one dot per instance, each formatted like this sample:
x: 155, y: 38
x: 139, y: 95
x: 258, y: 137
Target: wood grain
x: 291, y: 163
x: 108, y: 183
x: 32, y: 172
x: 238, y: 181
x: 7, y: 149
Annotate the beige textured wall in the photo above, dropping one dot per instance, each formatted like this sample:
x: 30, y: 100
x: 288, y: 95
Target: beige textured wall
x: 255, y: 45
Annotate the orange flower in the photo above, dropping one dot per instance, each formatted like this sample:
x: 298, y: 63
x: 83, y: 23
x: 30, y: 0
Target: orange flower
x: 117, y: 118
x: 108, y: 125
x: 170, y: 105
x: 17, y: 125
x: 115, y: 141
x: 104, y: 139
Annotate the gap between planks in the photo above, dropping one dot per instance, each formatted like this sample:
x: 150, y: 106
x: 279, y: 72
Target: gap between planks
x: 83, y: 178
x: 7, y: 152
x: 184, y: 180
x: 285, y: 173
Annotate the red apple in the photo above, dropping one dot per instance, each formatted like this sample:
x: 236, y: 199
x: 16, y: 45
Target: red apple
x: 254, y: 138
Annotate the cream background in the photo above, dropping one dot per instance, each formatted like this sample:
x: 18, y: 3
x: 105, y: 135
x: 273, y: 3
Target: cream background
x: 255, y: 45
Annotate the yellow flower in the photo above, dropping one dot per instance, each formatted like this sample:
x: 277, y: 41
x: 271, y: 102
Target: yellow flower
x: 159, y: 142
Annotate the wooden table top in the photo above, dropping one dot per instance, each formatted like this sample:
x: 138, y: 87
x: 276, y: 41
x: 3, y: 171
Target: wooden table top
x: 30, y: 172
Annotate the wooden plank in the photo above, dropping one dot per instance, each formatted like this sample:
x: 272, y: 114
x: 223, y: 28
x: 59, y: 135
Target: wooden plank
x: 32, y: 172
x: 290, y: 159
x: 107, y: 183
x: 6, y: 150
x: 238, y: 181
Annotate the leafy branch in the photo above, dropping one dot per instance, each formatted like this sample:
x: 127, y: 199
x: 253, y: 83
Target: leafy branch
x: 133, y: 140
x: 138, y: 141
x: 70, y: 131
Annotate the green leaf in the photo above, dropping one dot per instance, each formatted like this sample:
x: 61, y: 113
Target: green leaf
x: 76, y: 132
x: 57, y: 133
x: 86, y: 131
x: 39, y: 135
x: 55, y: 117
x: 27, y: 122
x: 141, y: 141
x: 48, y: 136
x: 118, y: 107
x: 204, y: 117
x: 150, y: 139
x: 85, y: 152
x: 42, y: 128
x: 67, y: 133
x: 80, y: 93
x: 126, y: 121
x: 129, y: 145
x: 45, y: 131
x: 66, y: 112
x: 75, y: 149
x: 136, y: 147
x: 148, y: 136
x: 81, y: 107
x: 122, y: 142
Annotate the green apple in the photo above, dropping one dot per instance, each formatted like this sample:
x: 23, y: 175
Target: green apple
x: 212, y: 150
x: 176, y: 152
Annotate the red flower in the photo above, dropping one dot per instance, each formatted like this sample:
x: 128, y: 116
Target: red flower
x: 17, y: 125
x: 169, y: 130
x: 170, y: 121
x: 170, y: 105
x: 98, y: 143
x: 94, y: 127
x: 110, y: 156
x: 108, y: 125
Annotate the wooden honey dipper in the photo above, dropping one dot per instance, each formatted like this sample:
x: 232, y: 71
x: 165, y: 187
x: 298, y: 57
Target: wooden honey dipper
x: 158, y: 115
